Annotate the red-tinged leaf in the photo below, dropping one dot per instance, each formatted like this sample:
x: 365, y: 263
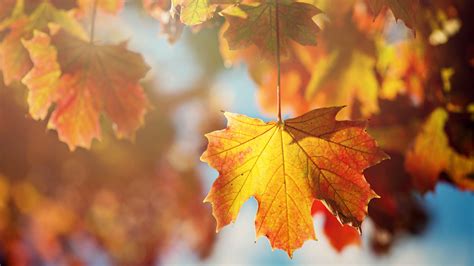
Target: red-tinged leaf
x: 14, y: 59
x: 94, y: 79
x: 256, y: 24
x: 402, y: 9
x: 340, y: 235
x: 286, y: 166
x: 432, y: 155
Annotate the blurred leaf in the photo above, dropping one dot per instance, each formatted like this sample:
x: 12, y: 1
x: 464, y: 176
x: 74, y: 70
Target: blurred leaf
x: 432, y: 154
x: 14, y: 60
x: 258, y: 27
x: 94, y: 79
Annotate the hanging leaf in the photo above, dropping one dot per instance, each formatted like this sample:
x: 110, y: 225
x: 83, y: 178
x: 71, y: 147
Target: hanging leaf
x: 257, y: 24
x: 287, y: 166
x: 402, y: 9
x: 94, y: 79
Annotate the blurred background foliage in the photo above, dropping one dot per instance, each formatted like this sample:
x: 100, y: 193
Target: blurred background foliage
x: 134, y: 202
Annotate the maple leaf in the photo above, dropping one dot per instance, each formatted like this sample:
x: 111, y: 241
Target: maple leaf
x: 258, y: 23
x: 335, y: 72
x: 287, y: 166
x: 94, y: 79
x: 14, y: 59
x: 402, y: 9
x: 339, y: 235
x: 432, y: 155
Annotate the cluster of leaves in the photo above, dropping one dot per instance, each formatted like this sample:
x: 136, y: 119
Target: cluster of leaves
x: 295, y: 167
x: 363, y: 59
x: 119, y: 203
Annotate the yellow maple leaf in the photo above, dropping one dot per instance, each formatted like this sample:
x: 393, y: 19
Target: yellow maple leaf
x: 286, y: 166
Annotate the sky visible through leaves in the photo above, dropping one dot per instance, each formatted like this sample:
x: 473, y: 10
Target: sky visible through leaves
x: 120, y: 114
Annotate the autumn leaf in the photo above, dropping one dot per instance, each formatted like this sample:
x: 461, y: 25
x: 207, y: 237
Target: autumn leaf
x: 329, y: 79
x: 94, y: 79
x: 340, y: 236
x: 356, y: 80
x: 432, y: 155
x: 286, y: 166
x: 402, y: 9
x: 257, y: 23
x: 338, y: 71
x: 404, y: 69
x: 14, y: 59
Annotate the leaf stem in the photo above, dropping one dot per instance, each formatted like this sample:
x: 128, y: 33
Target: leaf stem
x: 94, y: 14
x: 278, y: 89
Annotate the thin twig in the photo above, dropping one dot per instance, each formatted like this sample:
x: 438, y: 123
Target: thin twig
x: 277, y: 21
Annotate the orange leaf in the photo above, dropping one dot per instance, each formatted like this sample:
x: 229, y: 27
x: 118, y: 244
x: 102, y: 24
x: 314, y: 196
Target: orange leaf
x: 287, y: 166
x: 94, y: 79
x: 432, y: 155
